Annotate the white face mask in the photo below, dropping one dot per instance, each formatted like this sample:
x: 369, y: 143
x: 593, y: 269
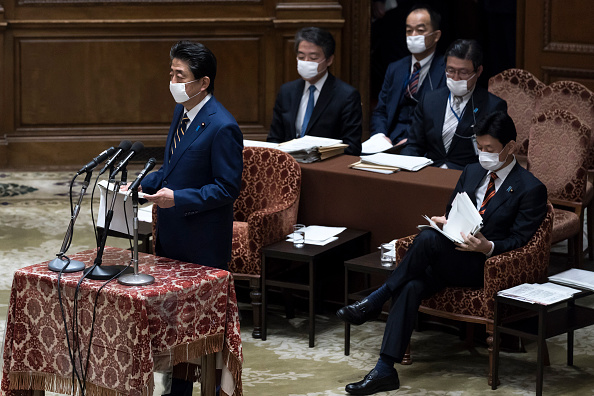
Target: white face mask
x: 416, y: 44
x: 178, y: 91
x: 490, y: 161
x: 307, y: 69
x: 458, y: 88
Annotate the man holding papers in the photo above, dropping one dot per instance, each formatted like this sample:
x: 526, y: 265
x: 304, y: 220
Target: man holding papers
x: 512, y: 204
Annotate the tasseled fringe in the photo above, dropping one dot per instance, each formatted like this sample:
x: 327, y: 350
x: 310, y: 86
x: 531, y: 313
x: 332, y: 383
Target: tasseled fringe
x: 193, y: 350
x: 235, y: 366
x: 58, y: 384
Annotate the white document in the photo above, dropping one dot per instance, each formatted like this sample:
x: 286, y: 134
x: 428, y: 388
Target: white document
x: 257, y: 143
x: 547, y: 293
x: 375, y: 144
x: 407, y: 162
x: 319, y: 235
x: 463, y: 217
x: 307, y: 143
x: 122, y: 211
x: 576, y: 278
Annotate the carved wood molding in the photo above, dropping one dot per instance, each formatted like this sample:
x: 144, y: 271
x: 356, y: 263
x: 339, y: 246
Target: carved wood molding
x: 161, y: 22
x: 554, y: 46
x: 549, y: 71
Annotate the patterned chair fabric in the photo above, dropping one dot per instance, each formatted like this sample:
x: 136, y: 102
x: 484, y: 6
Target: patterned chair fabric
x: 527, y: 264
x: 558, y: 156
x: 519, y: 89
x: 267, y: 205
x: 579, y: 100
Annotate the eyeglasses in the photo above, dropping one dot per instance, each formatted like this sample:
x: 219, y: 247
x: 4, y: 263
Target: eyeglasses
x: 462, y: 73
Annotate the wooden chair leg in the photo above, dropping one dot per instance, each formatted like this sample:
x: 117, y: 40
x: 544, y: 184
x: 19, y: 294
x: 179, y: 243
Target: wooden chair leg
x: 256, y: 299
x: 590, y: 229
x: 491, y: 362
x: 407, y: 359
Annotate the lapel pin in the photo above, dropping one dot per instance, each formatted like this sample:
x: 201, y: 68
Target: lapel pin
x: 510, y: 189
x: 202, y: 124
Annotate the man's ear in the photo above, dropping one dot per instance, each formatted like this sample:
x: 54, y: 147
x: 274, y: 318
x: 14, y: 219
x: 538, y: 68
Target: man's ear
x: 479, y: 71
x: 512, y: 146
x: 330, y: 60
x: 205, y: 83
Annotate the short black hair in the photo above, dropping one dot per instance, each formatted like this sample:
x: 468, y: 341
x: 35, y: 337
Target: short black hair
x: 467, y: 50
x: 201, y: 60
x: 320, y: 37
x: 433, y: 15
x: 498, y: 125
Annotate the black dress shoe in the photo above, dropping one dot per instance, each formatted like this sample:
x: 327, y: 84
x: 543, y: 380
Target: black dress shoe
x: 371, y: 384
x: 359, y: 312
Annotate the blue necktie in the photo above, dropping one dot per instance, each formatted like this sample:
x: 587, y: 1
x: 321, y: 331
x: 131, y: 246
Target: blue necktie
x: 181, y: 130
x: 308, y: 110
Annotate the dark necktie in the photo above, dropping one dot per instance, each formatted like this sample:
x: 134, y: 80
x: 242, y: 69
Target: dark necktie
x: 181, y: 130
x: 413, y: 84
x: 308, y: 109
x: 489, y: 193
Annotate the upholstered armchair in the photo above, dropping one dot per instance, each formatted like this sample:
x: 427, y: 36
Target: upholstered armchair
x: 578, y: 100
x: 264, y: 213
x: 519, y: 89
x: 558, y: 156
x: 527, y: 264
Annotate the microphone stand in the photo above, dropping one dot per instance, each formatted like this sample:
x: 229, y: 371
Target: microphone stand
x: 97, y: 271
x: 61, y: 263
x: 135, y: 279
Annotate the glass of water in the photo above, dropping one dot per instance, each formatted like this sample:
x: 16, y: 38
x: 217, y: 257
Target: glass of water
x: 298, y: 235
x: 387, y: 254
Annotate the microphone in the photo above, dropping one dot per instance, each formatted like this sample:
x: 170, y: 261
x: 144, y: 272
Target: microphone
x: 96, y: 161
x: 147, y: 168
x: 124, y: 146
x: 136, y: 148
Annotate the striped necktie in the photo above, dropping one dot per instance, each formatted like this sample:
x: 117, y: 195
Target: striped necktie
x: 181, y: 130
x: 451, y: 121
x: 308, y: 109
x: 489, y: 193
x: 413, y: 84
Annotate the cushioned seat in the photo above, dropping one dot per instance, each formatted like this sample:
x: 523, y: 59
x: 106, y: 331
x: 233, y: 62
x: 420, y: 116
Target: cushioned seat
x: 527, y: 264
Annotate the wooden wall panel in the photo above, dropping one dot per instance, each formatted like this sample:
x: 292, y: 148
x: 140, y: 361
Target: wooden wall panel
x: 555, y: 40
x: 82, y: 75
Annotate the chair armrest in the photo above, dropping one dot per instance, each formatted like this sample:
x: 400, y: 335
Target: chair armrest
x: 402, y: 245
x: 272, y: 224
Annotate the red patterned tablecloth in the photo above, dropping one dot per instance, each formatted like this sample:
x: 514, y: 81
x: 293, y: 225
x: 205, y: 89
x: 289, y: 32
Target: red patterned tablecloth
x: 189, y: 311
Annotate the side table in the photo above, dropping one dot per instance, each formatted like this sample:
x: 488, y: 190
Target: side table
x: 350, y: 243
x: 543, y: 321
x: 368, y: 264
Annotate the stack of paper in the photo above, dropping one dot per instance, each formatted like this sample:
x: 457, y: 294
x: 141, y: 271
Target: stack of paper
x: 257, y: 143
x: 463, y: 217
x: 319, y: 235
x: 394, y: 162
x: 576, y: 278
x: 545, y: 294
x: 306, y: 149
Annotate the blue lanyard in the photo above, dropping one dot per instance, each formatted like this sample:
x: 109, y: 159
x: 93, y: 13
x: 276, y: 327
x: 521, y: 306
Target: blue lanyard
x: 451, y: 108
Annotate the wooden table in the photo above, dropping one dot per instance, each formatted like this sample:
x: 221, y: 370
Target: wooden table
x: 350, y: 243
x: 390, y: 206
x: 189, y: 312
x: 546, y: 321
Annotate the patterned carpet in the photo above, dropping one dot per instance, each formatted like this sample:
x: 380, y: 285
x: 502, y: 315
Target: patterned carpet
x: 34, y: 214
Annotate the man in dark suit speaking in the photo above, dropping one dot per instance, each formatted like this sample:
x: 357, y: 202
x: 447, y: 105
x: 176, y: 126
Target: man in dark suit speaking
x: 317, y: 104
x: 201, y: 173
x: 513, y: 205
x: 444, y: 119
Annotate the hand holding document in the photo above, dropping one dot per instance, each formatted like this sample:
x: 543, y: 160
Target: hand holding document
x: 464, y: 217
x: 319, y: 235
x: 376, y: 144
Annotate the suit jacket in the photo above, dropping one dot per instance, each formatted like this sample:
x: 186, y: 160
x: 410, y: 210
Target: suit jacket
x: 337, y: 113
x: 205, y: 174
x: 395, y: 82
x: 514, y: 213
x: 425, y: 137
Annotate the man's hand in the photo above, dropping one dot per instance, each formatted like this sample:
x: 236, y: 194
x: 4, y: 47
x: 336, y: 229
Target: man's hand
x: 439, y: 220
x: 163, y: 198
x: 476, y: 243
